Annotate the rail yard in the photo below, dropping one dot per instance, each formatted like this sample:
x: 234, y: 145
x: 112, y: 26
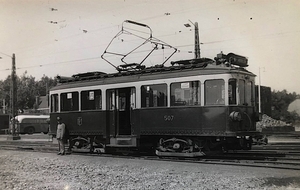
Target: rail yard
x: 135, y: 105
x: 188, y: 125
x: 36, y: 166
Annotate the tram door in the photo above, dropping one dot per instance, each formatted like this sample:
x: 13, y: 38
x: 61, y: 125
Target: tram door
x: 120, y: 102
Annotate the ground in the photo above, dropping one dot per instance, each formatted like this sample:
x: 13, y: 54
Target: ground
x: 36, y: 170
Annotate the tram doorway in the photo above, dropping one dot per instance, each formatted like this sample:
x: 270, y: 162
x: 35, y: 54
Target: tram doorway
x: 120, y: 102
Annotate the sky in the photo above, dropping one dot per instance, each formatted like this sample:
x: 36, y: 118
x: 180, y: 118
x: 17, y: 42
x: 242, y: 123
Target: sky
x: 64, y: 37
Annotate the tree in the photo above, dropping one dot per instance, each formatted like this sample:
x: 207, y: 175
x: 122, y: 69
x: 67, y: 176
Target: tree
x: 280, y: 103
x: 27, y: 90
x: 44, y: 85
x: 5, y: 93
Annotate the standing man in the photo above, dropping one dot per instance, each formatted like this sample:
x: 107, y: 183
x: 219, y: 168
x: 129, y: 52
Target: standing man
x: 60, y: 135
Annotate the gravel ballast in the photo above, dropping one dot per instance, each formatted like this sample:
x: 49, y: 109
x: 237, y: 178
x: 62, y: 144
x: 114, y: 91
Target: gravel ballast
x: 36, y: 170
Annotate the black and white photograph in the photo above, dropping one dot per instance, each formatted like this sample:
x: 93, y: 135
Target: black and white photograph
x: 149, y: 94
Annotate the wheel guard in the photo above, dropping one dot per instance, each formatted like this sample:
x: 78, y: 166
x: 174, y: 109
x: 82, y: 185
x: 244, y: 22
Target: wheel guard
x: 178, y: 147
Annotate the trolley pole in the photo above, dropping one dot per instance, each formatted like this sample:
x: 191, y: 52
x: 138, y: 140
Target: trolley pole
x: 13, y: 90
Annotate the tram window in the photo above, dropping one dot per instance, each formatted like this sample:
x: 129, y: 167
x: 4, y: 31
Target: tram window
x: 232, y: 92
x: 214, y: 92
x: 69, y: 101
x: 185, y: 93
x: 154, y: 95
x: 91, y: 100
x: 242, y: 92
x: 249, y: 93
x: 122, y: 101
x: 111, y: 102
x: 54, y: 103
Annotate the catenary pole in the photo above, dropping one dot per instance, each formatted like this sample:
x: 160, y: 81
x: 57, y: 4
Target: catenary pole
x: 13, y: 90
x: 259, y: 95
x: 197, y: 42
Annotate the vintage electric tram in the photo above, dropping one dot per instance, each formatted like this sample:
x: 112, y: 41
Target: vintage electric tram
x: 189, y: 108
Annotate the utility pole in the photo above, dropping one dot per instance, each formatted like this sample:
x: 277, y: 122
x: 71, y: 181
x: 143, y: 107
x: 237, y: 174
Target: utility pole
x: 4, y: 106
x: 259, y: 95
x: 197, y: 42
x: 13, y: 91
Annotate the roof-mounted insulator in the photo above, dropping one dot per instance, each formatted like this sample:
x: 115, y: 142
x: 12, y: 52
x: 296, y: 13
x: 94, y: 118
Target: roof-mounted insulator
x: 130, y: 67
x: 190, y: 61
x: 62, y: 79
x: 237, y: 60
x: 231, y: 59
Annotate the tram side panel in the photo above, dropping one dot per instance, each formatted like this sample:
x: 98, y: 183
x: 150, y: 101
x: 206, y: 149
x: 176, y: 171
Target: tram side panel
x: 209, y: 122
x: 214, y: 121
x: 82, y: 123
x: 242, y: 120
x: 183, y: 121
x: 111, y: 124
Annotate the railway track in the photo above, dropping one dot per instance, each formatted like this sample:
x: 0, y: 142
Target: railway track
x: 279, y: 156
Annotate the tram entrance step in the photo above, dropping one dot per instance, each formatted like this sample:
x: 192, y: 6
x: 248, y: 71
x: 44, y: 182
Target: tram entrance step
x: 123, y: 141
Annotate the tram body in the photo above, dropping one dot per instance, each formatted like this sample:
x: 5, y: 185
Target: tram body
x: 184, y: 109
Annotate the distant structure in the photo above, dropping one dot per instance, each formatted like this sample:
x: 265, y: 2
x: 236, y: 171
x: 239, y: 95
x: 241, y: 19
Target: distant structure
x: 4, y: 123
x: 43, y: 106
x: 295, y: 106
x: 266, y: 102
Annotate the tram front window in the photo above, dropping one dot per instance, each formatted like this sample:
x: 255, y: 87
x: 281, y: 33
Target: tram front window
x: 242, y: 92
x: 215, y: 92
x: 249, y: 93
x: 232, y: 92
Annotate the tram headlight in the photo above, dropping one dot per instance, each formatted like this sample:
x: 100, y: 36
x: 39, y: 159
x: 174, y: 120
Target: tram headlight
x: 235, y: 116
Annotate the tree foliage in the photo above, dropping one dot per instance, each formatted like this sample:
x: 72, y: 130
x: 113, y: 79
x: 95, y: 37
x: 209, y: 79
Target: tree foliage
x: 5, y: 91
x: 280, y: 103
x: 27, y: 91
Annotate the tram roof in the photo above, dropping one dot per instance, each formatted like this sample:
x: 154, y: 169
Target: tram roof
x: 202, y: 66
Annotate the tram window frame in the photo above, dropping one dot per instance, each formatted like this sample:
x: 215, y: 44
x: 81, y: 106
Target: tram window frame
x: 122, y: 101
x: 232, y: 86
x: 186, y: 93
x: 249, y: 93
x: 111, y: 99
x: 242, y: 92
x: 69, y: 101
x: 210, y: 95
x: 154, y: 95
x: 54, y: 103
x: 91, y: 100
